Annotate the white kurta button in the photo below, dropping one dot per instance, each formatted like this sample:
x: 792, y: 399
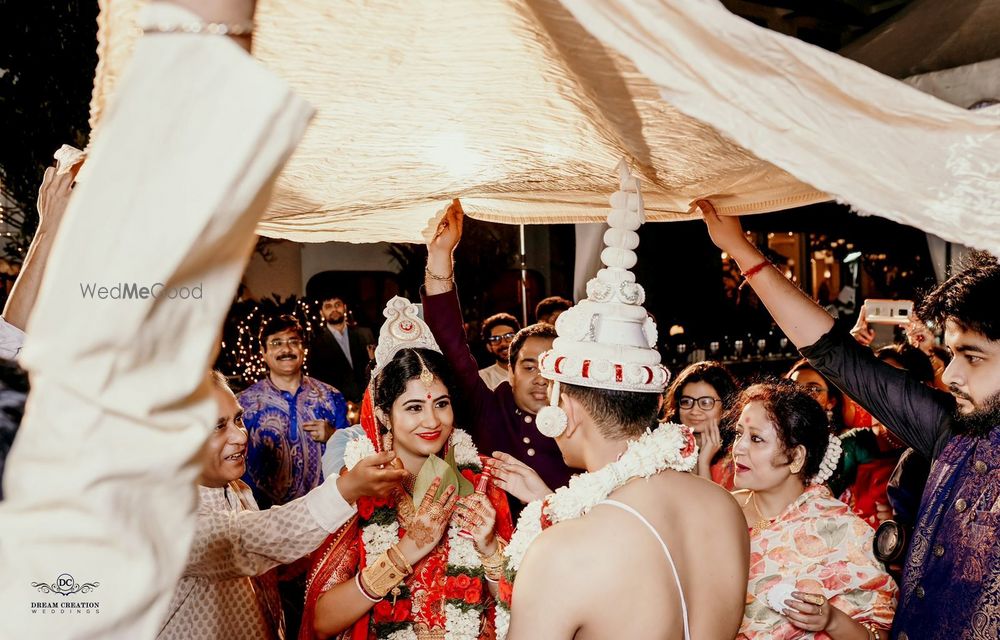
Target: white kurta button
x: 527, y: 440
x: 527, y: 419
x: 531, y: 452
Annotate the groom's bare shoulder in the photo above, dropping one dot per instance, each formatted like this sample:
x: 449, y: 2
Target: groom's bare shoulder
x: 554, y: 576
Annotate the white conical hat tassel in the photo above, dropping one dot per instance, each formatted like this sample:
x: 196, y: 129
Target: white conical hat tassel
x: 552, y: 420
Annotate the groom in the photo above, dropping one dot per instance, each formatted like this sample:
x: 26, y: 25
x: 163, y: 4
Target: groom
x: 662, y: 557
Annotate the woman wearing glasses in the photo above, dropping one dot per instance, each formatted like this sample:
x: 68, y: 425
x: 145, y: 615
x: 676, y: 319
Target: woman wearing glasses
x: 699, y: 398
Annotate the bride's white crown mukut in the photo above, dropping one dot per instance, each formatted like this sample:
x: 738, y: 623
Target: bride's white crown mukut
x: 608, y: 341
x: 403, y: 329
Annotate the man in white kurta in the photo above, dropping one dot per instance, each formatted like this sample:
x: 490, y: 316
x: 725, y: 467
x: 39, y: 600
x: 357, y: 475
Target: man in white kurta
x: 100, y: 484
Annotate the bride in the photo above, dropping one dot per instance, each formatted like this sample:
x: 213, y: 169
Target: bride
x: 427, y: 559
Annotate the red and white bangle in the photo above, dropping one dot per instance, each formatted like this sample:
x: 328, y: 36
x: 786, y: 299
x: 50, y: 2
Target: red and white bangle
x: 361, y: 588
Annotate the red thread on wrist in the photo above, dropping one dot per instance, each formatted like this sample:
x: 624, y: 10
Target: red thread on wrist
x: 752, y: 271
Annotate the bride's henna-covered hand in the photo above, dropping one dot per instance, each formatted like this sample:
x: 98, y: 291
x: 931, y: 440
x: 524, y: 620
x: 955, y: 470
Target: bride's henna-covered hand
x: 429, y: 523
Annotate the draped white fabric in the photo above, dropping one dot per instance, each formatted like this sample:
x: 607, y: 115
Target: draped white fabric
x: 879, y: 145
x: 100, y: 483
x: 523, y: 107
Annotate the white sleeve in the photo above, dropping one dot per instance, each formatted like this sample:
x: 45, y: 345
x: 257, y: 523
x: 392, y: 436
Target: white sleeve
x: 11, y: 340
x: 100, y: 485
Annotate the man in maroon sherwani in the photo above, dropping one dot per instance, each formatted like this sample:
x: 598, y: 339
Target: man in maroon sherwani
x: 503, y: 419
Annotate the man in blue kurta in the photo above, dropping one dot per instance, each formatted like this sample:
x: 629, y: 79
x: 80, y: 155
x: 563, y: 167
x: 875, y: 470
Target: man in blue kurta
x: 951, y: 580
x: 289, y: 417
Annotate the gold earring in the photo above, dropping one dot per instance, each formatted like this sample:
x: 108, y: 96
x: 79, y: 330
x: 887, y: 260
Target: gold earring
x: 387, y: 441
x: 796, y: 467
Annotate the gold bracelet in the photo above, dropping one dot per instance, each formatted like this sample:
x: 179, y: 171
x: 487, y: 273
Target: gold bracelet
x: 493, y: 563
x: 209, y: 28
x: 381, y: 576
x: 400, y: 559
x: 434, y: 276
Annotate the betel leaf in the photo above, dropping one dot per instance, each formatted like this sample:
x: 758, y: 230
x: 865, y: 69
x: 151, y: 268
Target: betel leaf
x: 433, y: 467
x: 465, y: 487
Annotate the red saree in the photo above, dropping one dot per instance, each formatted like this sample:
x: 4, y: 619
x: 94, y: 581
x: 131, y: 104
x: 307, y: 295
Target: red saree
x: 434, y: 581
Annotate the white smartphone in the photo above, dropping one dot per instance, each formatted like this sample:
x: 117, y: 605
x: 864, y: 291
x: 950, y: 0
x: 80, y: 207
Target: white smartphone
x: 888, y: 311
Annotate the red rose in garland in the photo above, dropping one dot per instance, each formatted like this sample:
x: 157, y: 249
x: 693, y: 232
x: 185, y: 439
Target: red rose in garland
x: 383, y: 611
x: 366, y: 509
x: 452, y: 590
x: 474, y: 594
x: 505, y: 590
x: 689, y: 442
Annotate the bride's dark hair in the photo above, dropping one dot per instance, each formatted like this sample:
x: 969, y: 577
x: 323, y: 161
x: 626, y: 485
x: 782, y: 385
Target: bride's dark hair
x: 405, y: 366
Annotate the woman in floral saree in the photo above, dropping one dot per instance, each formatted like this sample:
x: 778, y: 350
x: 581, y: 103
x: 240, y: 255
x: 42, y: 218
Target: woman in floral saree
x: 422, y: 564
x: 813, y: 573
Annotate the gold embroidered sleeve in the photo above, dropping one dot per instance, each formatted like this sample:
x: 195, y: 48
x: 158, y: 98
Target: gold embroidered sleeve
x: 230, y: 544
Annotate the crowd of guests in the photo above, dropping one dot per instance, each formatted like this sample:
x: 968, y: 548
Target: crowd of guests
x: 815, y: 471
x: 866, y: 481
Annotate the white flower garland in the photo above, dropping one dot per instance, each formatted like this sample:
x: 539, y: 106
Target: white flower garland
x: 357, y: 450
x: 503, y: 621
x: 462, y: 555
x: 656, y: 451
x: 466, y: 454
x: 378, y: 538
x: 829, y: 463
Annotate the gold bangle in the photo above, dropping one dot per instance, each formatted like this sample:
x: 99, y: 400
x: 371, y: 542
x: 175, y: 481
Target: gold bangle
x: 381, y: 576
x: 872, y: 630
x: 493, y: 563
x: 406, y: 568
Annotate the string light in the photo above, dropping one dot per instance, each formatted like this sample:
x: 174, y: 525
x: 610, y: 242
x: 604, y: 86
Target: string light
x: 241, y: 357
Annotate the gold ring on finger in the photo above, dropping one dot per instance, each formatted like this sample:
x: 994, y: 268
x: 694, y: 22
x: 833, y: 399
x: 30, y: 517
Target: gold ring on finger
x: 814, y: 599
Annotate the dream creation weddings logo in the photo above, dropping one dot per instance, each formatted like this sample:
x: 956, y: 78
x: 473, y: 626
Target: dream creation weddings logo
x: 133, y: 291
x: 65, y: 585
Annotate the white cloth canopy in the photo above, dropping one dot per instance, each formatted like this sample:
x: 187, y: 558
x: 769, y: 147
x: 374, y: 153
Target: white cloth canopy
x: 523, y: 107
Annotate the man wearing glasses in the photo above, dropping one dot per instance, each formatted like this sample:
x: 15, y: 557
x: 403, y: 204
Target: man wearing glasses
x: 288, y: 417
x: 498, y: 331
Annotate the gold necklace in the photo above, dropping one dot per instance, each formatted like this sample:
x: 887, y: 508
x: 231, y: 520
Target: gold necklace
x: 764, y: 522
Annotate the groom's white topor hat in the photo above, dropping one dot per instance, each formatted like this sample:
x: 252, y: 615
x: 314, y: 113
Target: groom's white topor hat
x: 608, y: 340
